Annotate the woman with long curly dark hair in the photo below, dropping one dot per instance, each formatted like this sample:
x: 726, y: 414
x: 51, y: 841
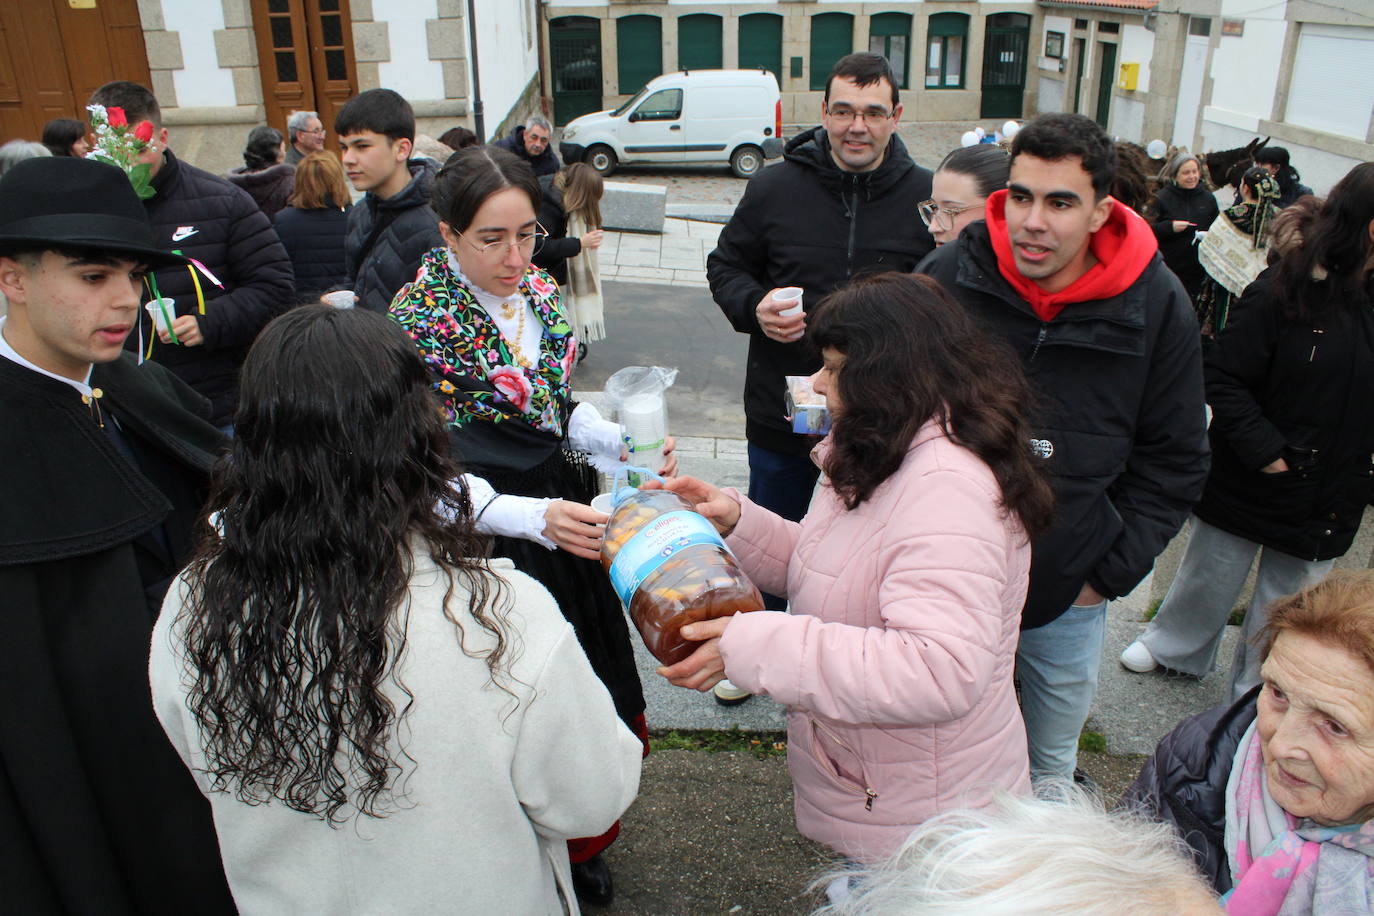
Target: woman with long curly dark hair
x: 379, y: 719
x: 905, y: 579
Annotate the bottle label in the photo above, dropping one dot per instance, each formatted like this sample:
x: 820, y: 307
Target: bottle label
x: 654, y: 544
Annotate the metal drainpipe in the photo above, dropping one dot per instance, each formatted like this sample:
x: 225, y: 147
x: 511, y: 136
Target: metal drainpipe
x: 478, y: 115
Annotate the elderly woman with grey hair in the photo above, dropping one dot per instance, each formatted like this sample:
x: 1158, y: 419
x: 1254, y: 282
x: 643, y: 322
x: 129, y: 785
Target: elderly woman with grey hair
x: 1060, y: 855
x: 1183, y: 206
x: 16, y: 151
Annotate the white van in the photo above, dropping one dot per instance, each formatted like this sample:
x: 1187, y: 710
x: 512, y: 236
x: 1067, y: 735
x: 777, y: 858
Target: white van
x: 730, y: 116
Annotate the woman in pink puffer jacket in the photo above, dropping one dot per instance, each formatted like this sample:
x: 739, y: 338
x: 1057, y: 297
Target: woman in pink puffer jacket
x: 905, y: 579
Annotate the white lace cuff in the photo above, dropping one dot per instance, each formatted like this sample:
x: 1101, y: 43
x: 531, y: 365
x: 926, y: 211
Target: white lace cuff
x: 601, y: 439
x: 505, y: 515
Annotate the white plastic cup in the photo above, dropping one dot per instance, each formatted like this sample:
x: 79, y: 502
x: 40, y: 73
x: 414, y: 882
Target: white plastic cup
x: 604, y: 503
x: 162, y: 311
x: 340, y: 298
x: 645, y: 418
x: 792, y: 295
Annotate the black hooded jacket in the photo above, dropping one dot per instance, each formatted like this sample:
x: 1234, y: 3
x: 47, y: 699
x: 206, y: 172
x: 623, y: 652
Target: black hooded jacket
x: 1183, y: 783
x: 387, y: 238
x: 546, y: 163
x: 805, y: 222
x: 207, y: 218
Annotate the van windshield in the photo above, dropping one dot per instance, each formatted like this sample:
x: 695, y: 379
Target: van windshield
x: 634, y: 100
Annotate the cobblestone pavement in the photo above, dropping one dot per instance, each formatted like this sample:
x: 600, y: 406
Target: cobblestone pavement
x: 678, y: 256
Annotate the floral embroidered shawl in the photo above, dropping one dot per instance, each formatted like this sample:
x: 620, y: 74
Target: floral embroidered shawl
x: 476, y: 375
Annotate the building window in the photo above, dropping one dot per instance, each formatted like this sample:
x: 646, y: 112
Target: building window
x: 760, y: 43
x: 948, y: 37
x: 639, y: 51
x: 889, y: 34
x: 1200, y: 26
x: 1109, y: 28
x: 699, y: 42
x: 832, y: 37
x: 1327, y: 56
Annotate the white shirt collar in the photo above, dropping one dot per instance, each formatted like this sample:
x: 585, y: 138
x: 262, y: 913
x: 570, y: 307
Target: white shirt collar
x: 11, y: 354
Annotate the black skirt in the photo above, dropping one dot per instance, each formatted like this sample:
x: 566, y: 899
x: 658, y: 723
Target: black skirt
x: 581, y: 587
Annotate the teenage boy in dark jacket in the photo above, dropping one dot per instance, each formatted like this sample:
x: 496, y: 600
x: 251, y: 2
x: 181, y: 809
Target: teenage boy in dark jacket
x: 1073, y: 281
x: 842, y: 202
x: 393, y: 226
x: 107, y: 463
x: 208, y: 219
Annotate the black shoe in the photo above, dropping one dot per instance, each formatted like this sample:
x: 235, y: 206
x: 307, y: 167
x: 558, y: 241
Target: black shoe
x: 1084, y: 781
x: 592, y: 881
x: 582, y: 351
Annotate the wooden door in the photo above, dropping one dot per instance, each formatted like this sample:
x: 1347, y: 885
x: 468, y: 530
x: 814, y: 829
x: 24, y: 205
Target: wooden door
x: 305, y: 57
x: 52, y: 57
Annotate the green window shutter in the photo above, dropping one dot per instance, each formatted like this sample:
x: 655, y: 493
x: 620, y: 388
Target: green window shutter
x: 760, y: 43
x: 832, y: 37
x: 639, y: 51
x: 889, y: 34
x: 948, y: 24
x: 699, y: 42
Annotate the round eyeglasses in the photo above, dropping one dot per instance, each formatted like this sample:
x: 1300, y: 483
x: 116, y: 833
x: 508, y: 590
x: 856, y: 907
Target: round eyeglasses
x: 524, y: 241
x: 932, y: 214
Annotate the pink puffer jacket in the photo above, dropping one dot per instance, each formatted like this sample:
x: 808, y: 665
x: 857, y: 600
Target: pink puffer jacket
x: 896, y: 657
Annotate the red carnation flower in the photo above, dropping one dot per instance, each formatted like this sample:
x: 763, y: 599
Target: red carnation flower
x: 116, y: 117
x: 144, y: 131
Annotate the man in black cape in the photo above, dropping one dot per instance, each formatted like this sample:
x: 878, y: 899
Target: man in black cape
x: 104, y: 465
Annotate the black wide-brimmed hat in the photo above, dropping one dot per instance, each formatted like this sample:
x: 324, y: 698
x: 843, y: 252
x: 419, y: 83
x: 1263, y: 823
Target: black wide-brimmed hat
x: 77, y: 203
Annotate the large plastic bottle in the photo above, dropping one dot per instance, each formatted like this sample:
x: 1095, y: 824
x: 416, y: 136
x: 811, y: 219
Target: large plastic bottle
x: 670, y: 568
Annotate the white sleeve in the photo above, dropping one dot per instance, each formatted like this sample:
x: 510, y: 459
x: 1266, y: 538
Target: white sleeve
x: 601, y: 439
x: 577, y: 766
x: 505, y: 515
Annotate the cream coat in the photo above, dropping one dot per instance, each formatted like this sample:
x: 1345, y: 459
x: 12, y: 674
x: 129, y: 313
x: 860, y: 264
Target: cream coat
x: 896, y: 657
x: 491, y: 792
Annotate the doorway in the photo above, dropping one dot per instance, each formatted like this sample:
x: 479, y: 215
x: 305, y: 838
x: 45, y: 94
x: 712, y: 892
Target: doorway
x: 1106, y: 77
x: 305, y: 58
x: 1004, y: 65
x: 1190, y: 82
x: 1080, y: 53
x: 575, y: 57
x: 53, y: 56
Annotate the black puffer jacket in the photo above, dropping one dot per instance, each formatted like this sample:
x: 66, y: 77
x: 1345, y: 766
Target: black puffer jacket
x: 405, y: 227
x: 207, y: 218
x: 553, y: 255
x: 1286, y: 389
x: 1197, y: 206
x: 546, y: 163
x: 1183, y: 784
x: 806, y: 223
x: 314, y: 239
x: 1119, y: 416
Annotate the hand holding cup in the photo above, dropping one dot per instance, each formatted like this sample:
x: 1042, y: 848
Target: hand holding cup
x: 780, y: 314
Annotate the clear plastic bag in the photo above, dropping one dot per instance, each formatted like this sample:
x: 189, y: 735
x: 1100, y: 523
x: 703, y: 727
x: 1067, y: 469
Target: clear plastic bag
x: 670, y: 568
x: 637, y: 393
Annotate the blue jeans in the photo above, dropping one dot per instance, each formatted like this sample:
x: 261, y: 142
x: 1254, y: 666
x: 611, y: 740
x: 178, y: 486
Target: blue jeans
x: 1057, y: 665
x: 781, y: 483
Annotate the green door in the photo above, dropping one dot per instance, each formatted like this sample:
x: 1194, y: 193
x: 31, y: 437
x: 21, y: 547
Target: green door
x: 575, y: 56
x: 760, y: 43
x: 699, y: 42
x: 1004, y: 65
x: 1080, y: 53
x: 639, y: 51
x: 832, y: 37
x: 1106, y: 76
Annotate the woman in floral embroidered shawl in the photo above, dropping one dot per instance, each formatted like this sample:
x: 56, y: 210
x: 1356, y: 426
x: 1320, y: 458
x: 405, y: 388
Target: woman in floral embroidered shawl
x: 499, y: 345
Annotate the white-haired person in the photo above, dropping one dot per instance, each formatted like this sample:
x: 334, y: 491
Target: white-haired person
x: 1056, y: 855
x: 532, y: 142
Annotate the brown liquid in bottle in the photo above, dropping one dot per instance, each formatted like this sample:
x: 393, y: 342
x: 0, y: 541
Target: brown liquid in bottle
x: 699, y: 582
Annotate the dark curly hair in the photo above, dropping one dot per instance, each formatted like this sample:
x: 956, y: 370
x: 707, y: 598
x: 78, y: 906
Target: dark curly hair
x: 296, y: 614
x: 1053, y: 137
x: 263, y: 150
x: 912, y: 353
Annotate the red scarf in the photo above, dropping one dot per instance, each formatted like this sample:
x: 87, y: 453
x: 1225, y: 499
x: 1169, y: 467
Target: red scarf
x: 1123, y: 247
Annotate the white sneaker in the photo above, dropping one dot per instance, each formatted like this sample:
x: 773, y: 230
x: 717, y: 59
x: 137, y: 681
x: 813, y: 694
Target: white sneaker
x: 727, y: 694
x: 1137, y: 658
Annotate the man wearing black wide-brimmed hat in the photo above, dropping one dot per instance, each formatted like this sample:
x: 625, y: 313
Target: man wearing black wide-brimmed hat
x: 104, y: 465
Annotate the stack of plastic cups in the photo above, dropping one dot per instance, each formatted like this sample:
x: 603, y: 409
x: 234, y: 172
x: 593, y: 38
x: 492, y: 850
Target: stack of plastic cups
x: 645, y: 419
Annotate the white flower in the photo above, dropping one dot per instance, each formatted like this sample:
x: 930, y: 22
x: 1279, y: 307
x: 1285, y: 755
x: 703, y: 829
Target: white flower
x: 98, y: 113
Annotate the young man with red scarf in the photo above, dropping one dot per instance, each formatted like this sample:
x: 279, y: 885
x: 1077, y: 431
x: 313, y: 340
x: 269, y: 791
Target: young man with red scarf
x: 1072, y: 280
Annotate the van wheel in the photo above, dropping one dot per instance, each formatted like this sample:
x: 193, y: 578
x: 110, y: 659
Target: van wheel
x: 602, y: 158
x: 746, y: 161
